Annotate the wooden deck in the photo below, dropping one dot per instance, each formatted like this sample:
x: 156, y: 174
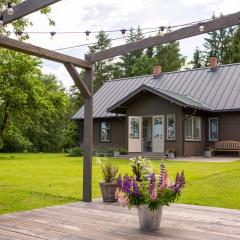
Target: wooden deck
x: 103, y: 221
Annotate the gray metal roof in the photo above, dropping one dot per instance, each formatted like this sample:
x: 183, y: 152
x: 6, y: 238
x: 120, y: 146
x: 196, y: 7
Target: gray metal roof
x: 217, y: 90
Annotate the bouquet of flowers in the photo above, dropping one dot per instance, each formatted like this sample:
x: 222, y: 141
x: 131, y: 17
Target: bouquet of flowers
x: 154, y: 191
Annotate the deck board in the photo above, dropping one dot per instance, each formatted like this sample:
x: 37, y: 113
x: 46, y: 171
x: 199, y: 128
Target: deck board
x: 108, y: 221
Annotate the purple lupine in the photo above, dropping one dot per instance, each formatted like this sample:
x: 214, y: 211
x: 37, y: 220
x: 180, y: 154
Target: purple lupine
x: 119, y: 182
x: 179, y: 184
x: 162, y: 173
x: 152, y: 183
x: 136, y: 188
x: 126, y: 184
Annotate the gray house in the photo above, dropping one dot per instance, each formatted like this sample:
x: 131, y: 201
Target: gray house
x: 184, y: 110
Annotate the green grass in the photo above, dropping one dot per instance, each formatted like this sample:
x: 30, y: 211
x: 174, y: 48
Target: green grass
x: 29, y: 181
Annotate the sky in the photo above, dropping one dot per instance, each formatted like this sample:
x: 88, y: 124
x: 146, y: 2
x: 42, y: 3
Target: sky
x: 95, y: 15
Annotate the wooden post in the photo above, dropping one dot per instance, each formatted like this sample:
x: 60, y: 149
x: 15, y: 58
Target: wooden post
x: 88, y: 132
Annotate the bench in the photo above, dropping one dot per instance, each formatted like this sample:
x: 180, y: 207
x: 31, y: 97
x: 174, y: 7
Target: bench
x: 227, y: 146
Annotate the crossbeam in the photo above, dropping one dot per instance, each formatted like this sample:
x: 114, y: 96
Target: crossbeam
x: 42, y: 52
x: 186, y: 32
x: 25, y: 8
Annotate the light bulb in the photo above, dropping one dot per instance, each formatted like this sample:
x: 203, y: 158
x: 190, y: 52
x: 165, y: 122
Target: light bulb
x: 1, y: 20
x: 201, y: 27
x: 162, y: 31
x: 87, y: 35
x: 123, y: 31
x: 52, y: 34
x: 162, y: 34
x: 10, y: 9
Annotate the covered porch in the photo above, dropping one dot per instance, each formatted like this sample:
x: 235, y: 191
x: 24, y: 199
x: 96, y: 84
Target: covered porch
x: 108, y: 221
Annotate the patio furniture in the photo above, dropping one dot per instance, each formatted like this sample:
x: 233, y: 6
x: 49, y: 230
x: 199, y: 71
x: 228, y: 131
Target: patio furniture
x: 227, y: 146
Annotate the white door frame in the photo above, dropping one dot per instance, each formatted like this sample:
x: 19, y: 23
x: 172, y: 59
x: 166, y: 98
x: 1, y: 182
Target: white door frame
x: 158, y: 141
x: 135, y: 141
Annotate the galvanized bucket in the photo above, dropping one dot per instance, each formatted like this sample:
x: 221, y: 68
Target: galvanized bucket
x: 149, y: 220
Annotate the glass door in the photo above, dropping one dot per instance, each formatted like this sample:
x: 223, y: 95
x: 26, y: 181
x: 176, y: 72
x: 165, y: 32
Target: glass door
x: 134, y: 134
x: 158, y: 134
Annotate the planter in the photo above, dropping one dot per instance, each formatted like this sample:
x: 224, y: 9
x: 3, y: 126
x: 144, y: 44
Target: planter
x: 116, y: 154
x: 108, y: 191
x: 170, y: 155
x: 207, y: 154
x: 149, y: 220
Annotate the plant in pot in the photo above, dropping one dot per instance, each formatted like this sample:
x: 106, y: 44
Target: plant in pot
x: 208, y: 152
x: 171, y: 153
x: 149, y: 196
x: 109, y: 185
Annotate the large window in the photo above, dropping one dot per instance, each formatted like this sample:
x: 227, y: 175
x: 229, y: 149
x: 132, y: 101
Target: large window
x: 192, y: 128
x: 213, y: 129
x: 171, y: 126
x: 105, y: 132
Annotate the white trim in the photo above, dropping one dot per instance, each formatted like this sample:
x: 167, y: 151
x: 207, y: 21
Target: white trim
x: 174, y: 117
x: 209, y: 128
x: 191, y: 138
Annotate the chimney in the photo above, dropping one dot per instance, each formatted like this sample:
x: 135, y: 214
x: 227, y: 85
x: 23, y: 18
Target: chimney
x: 157, y: 70
x: 213, y: 63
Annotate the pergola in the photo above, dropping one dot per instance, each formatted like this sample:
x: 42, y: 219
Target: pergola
x: 85, y: 85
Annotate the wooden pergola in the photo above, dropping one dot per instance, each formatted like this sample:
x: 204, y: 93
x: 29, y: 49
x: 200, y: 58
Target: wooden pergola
x: 85, y: 85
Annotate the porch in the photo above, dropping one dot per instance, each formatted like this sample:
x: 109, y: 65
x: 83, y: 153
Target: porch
x: 108, y: 221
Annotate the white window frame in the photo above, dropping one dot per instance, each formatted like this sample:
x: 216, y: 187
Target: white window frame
x: 192, y: 138
x: 174, y: 117
x: 109, y: 128
x: 209, y: 128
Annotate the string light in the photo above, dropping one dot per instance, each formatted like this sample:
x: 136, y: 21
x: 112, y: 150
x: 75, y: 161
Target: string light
x: 87, y: 35
x: 10, y: 8
x: 162, y: 31
x: 52, y: 34
x: 123, y: 31
x: 1, y: 20
x: 201, y: 27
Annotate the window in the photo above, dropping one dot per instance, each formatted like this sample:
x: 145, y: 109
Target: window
x: 193, y: 128
x: 171, y: 127
x: 213, y: 129
x: 105, y: 131
x: 135, y: 128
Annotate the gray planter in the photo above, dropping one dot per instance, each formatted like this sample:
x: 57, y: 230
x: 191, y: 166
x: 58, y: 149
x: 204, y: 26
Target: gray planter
x: 207, y: 154
x: 116, y: 154
x: 108, y: 191
x: 149, y: 220
x: 170, y: 155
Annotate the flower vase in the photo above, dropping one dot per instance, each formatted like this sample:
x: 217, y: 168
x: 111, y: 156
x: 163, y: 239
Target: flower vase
x: 149, y: 220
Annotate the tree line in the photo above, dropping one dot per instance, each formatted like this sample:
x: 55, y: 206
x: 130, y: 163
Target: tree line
x: 36, y: 110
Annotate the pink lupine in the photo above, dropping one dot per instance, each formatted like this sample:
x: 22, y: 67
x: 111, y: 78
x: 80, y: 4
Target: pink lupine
x: 153, y: 195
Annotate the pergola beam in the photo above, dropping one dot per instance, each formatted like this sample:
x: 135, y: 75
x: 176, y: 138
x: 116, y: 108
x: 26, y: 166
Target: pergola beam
x: 186, y: 32
x: 25, y: 8
x: 42, y: 52
x: 77, y: 80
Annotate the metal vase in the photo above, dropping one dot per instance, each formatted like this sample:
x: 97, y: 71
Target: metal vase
x: 149, y: 220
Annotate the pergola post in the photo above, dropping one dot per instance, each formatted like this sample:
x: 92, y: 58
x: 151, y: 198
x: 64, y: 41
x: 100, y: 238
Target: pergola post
x: 88, y: 136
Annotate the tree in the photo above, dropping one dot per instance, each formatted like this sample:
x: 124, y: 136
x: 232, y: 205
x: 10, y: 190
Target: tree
x: 234, y: 55
x: 102, y: 69
x: 197, y: 61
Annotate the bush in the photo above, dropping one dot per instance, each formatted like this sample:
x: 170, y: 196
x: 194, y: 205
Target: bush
x: 109, y: 171
x: 76, y: 152
x: 103, y: 152
x: 123, y: 151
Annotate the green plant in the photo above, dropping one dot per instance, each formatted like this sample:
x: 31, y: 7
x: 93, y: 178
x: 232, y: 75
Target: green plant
x: 141, y: 167
x: 109, y: 171
x: 171, y: 150
x: 76, y: 152
x: 123, y: 151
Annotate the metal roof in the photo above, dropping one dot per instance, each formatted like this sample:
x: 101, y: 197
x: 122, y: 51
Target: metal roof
x: 217, y: 90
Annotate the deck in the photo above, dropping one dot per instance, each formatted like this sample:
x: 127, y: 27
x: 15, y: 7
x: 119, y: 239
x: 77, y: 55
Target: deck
x: 103, y: 221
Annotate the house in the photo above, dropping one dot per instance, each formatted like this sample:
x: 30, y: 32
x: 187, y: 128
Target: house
x: 184, y: 110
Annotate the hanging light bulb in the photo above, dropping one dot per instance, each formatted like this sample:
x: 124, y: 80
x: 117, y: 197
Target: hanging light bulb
x: 87, y: 35
x: 1, y: 20
x: 161, y: 31
x: 10, y: 8
x: 123, y: 31
x: 52, y: 34
x: 201, y: 27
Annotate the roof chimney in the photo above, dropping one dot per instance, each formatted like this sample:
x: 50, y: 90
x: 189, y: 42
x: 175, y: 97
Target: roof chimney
x: 213, y: 63
x: 157, y: 70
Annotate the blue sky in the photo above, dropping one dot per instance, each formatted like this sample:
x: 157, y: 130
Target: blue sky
x: 94, y: 15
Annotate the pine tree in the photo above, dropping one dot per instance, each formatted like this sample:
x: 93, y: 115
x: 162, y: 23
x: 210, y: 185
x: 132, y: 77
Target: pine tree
x: 197, y: 61
x: 234, y: 55
x: 103, y: 70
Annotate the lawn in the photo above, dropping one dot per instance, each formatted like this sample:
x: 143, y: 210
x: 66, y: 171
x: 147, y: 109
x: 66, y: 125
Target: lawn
x: 30, y: 181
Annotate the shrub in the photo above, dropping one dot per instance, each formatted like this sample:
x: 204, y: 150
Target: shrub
x: 76, y: 152
x: 123, y: 151
x: 103, y: 152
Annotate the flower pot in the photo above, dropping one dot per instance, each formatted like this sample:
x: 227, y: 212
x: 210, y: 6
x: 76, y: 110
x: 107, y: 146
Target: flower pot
x: 108, y: 191
x: 149, y: 220
x: 170, y: 155
x: 207, y: 154
x: 116, y: 154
